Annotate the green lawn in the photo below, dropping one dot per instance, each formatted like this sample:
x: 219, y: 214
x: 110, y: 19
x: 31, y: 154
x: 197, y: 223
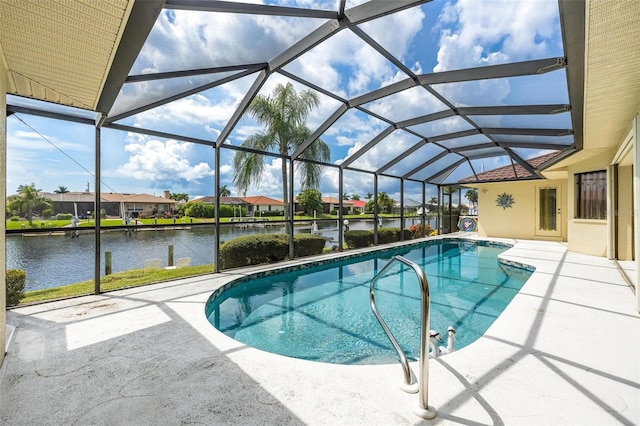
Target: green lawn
x: 53, y: 224
x: 118, y: 280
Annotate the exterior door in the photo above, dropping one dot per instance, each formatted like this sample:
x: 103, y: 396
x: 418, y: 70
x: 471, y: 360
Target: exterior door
x: 549, y: 212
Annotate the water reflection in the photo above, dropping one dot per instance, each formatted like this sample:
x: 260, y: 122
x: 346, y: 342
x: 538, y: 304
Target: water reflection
x: 55, y: 260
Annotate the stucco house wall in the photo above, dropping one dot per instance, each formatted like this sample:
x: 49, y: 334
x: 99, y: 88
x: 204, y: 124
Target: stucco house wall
x: 587, y: 236
x: 519, y: 220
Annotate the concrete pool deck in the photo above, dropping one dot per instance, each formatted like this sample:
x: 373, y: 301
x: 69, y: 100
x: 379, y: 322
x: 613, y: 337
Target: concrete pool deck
x: 565, y: 351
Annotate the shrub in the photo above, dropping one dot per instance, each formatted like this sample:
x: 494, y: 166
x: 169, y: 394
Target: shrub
x: 14, y: 219
x: 16, y: 279
x: 253, y: 250
x: 356, y: 239
x: 198, y: 209
x: 267, y: 248
x: 230, y: 211
x: 307, y: 244
x: 64, y: 216
x: 387, y: 235
x: 391, y: 235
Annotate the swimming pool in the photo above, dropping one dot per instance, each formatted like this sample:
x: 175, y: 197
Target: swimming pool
x: 322, y: 312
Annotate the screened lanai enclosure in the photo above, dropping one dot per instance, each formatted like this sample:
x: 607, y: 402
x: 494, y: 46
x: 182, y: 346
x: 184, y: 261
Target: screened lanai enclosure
x: 411, y: 97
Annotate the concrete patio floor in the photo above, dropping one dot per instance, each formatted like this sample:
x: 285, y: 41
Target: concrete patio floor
x: 565, y: 351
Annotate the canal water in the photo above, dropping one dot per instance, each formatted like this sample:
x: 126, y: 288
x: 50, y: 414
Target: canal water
x: 56, y: 260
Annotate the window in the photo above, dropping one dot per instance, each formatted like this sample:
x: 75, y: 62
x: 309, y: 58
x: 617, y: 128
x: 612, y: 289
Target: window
x: 591, y: 195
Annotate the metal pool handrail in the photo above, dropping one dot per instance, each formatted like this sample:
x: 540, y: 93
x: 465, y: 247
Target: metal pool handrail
x: 423, y: 410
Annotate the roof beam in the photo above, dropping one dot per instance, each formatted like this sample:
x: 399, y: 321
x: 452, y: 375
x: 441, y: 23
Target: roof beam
x: 515, y: 110
x: 373, y: 142
x: 13, y: 109
x: 522, y: 131
x: 426, y: 118
x: 379, y: 8
x: 342, y: 7
x: 246, y: 8
x: 159, y: 134
x: 199, y: 141
x: 514, y: 69
x: 313, y: 39
x: 141, y: 20
x: 472, y: 147
x: 401, y: 157
x: 454, y: 135
x: 535, y: 145
x: 311, y: 85
x: 382, y: 92
x: 189, y: 73
x: 425, y: 164
x: 446, y: 170
x: 246, y: 101
x: 528, y: 167
x: 319, y: 131
x: 179, y: 96
x: 384, y: 52
x: 572, y: 23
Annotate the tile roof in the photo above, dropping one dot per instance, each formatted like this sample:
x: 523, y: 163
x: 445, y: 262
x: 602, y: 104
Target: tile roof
x: 230, y: 201
x: 262, y: 200
x: 511, y: 172
x: 334, y: 200
x: 106, y: 197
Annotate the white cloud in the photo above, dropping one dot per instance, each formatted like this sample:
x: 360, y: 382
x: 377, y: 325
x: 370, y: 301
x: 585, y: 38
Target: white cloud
x: 407, y: 104
x: 474, y: 34
x: 30, y: 140
x: 154, y: 160
x: 396, y: 31
x: 484, y: 33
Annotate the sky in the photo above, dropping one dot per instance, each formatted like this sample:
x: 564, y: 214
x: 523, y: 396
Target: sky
x: 435, y: 37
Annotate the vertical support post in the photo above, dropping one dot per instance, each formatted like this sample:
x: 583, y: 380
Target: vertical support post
x: 612, y: 203
x: 340, y: 204
x: 216, y: 256
x: 375, y: 209
x: 424, y: 208
x: 96, y: 212
x: 170, y: 256
x: 401, y: 209
x: 459, y: 207
x: 291, y: 208
x: 107, y: 263
x: 439, y: 214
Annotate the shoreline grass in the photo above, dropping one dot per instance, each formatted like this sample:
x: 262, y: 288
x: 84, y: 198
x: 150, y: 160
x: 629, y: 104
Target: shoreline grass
x: 118, y: 281
x: 115, y: 281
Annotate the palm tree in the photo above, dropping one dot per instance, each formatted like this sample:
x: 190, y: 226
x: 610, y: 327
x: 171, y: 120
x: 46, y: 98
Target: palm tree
x: 28, y: 199
x: 284, y: 114
x: 472, y: 196
x: 433, y: 201
x: 179, y: 196
x: 368, y: 196
x: 61, y: 190
x: 355, y: 197
x: 224, y: 191
x: 345, y: 196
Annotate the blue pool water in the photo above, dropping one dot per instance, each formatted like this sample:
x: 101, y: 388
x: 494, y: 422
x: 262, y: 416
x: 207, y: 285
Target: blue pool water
x: 323, y: 313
